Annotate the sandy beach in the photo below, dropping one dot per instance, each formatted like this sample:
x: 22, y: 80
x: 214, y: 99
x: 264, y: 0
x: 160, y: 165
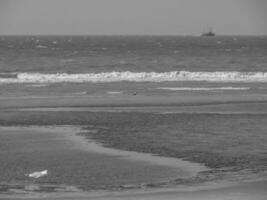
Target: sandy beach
x: 38, y: 121
x: 244, y: 191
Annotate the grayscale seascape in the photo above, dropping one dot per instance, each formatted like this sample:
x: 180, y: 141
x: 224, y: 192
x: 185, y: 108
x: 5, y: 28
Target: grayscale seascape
x: 217, y: 125
x: 133, y: 117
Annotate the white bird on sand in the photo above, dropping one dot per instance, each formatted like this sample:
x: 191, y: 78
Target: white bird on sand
x: 38, y: 174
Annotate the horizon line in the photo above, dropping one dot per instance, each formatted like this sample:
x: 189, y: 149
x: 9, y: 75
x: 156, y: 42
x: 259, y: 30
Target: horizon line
x: 110, y: 35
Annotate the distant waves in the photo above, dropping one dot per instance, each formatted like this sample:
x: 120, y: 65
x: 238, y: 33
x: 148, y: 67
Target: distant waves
x: 107, y: 77
x: 202, y: 88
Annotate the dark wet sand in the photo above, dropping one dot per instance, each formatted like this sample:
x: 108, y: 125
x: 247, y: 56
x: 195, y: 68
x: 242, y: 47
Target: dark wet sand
x: 7, y: 102
x: 244, y: 191
x: 72, y: 158
x: 216, y: 108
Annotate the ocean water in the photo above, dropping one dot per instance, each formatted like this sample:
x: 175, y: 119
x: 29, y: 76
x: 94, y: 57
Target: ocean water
x: 153, y: 63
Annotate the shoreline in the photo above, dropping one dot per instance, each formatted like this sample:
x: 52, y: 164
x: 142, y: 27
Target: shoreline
x: 127, y: 100
x: 68, y: 136
x: 78, y: 136
x: 113, y: 126
x: 239, y: 191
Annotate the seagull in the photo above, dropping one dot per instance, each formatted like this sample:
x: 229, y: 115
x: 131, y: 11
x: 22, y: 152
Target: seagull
x: 37, y: 174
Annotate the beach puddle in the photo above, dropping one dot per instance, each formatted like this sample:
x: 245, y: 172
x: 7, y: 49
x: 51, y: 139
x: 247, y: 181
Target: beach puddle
x: 73, y: 160
x: 186, y: 169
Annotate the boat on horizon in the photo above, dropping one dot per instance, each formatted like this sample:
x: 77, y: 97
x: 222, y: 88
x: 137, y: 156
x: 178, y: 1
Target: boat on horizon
x: 209, y: 33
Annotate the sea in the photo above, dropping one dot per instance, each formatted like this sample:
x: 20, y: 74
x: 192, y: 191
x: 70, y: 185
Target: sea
x: 211, y: 89
x: 146, y: 63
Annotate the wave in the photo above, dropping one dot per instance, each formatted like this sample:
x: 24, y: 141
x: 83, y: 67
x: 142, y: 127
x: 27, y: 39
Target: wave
x: 137, y: 77
x: 4, y: 75
x: 202, y: 89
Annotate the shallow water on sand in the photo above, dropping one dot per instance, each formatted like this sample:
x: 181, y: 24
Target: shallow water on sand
x: 219, y: 108
x: 72, y: 161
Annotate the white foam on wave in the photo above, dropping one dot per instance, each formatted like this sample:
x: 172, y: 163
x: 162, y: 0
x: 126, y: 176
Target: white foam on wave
x: 202, y: 89
x: 114, y: 92
x: 38, y: 85
x: 105, y: 77
x: 40, y: 47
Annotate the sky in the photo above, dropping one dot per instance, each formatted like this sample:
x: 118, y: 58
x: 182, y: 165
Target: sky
x: 132, y: 17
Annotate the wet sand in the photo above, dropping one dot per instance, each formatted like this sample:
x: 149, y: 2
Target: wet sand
x: 73, y: 162
x: 216, y: 108
x: 245, y: 191
x: 126, y: 100
x: 68, y: 158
